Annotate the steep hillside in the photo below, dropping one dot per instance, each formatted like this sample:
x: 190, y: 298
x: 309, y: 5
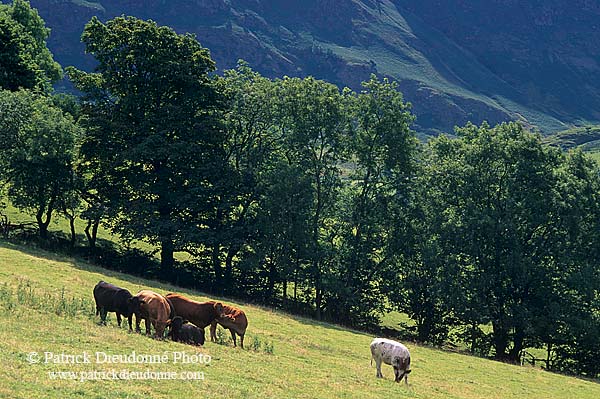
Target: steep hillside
x: 547, y: 50
x: 46, y: 306
x: 586, y: 137
x: 457, y: 61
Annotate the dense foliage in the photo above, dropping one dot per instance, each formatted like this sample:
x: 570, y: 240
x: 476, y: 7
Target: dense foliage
x: 322, y: 201
x: 25, y: 61
x: 154, y: 132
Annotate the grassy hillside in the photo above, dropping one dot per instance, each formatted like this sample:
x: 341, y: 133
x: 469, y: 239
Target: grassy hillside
x: 60, y: 225
x: 587, y: 137
x: 46, y: 305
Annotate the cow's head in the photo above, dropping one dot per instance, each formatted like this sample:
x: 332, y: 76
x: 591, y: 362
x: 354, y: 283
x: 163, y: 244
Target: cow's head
x: 226, y: 318
x: 400, y: 371
x: 133, y: 304
x: 175, y: 326
x: 218, y: 306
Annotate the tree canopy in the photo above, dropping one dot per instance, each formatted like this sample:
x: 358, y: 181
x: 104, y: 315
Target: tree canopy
x: 152, y: 116
x: 38, y: 155
x: 25, y: 61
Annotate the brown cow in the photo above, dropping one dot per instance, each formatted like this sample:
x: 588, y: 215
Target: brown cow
x: 153, y: 309
x: 199, y: 313
x: 234, y: 320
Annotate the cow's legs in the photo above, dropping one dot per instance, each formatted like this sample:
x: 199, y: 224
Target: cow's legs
x: 147, y: 323
x: 129, y: 321
x: 155, y: 325
x: 242, y: 341
x: 231, y: 330
x: 159, y: 329
x: 138, y: 320
x: 378, y: 366
x: 103, y: 313
x: 213, y: 331
x: 118, y: 319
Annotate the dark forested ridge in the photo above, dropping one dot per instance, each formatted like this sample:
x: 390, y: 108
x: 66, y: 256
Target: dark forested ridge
x: 456, y: 61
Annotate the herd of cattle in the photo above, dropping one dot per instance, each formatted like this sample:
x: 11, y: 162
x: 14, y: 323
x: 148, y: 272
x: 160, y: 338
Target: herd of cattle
x: 186, y: 320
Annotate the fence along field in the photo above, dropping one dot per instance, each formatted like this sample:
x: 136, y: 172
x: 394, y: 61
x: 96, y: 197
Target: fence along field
x: 46, y: 305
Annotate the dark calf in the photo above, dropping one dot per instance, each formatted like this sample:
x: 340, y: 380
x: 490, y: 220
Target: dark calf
x: 186, y: 333
x: 110, y: 298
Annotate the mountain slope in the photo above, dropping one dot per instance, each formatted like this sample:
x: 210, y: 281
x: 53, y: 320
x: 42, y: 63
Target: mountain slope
x: 456, y: 61
x: 586, y: 138
x: 546, y: 49
x: 309, y: 359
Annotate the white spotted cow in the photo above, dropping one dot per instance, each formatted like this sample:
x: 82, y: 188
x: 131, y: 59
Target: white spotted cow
x: 392, y: 353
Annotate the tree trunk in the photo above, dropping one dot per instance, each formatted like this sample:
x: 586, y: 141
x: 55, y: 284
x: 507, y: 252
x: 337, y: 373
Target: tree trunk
x: 43, y: 228
x: 91, y: 243
x: 424, y: 324
x: 231, y: 253
x: 43, y: 221
x: 95, y: 231
x: 474, y: 337
x: 72, y: 226
x: 92, y: 236
x: 271, y: 281
x: 216, y: 249
x: 216, y: 261
x: 296, y: 283
x: 316, y: 268
x: 318, y: 299
x: 500, y: 339
x: 167, y: 260
x: 515, y: 352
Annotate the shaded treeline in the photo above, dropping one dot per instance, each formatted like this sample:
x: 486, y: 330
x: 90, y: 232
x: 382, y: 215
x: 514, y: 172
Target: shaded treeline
x: 299, y: 195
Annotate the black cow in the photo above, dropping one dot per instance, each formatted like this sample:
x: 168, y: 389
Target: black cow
x: 110, y: 298
x: 180, y: 331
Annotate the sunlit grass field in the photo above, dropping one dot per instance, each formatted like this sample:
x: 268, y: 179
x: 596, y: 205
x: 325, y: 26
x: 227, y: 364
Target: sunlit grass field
x: 308, y: 359
x: 60, y: 224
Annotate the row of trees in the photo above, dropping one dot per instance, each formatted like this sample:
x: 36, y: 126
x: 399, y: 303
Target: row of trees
x: 298, y: 194
x: 245, y: 173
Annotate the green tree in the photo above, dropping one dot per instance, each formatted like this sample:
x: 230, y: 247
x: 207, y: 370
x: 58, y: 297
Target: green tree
x: 496, y: 191
x: 427, y: 265
x: 283, y: 226
x: 314, y: 125
x: 39, y: 164
x: 153, y: 120
x: 568, y: 323
x: 383, y: 150
x: 249, y: 143
x: 25, y: 61
x: 15, y: 111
